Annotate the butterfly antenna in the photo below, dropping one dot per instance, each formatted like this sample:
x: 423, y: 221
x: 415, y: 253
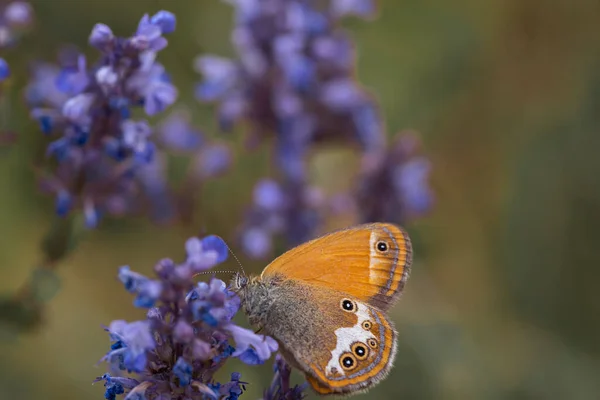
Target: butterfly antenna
x: 221, y: 271
x: 236, y: 259
x: 213, y: 272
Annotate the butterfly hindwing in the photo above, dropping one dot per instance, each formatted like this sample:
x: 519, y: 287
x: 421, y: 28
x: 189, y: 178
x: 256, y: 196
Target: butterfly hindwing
x: 341, y: 343
x: 363, y: 355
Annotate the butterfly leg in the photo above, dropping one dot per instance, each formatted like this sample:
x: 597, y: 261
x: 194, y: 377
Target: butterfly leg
x: 260, y: 329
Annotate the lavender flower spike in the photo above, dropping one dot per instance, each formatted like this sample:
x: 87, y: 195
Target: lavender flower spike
x: 188, y: 333
x: 400, y: 176
x: 106, y: 160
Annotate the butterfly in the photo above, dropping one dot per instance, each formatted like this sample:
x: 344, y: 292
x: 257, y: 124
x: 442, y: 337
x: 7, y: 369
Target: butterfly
x: 325, y: 303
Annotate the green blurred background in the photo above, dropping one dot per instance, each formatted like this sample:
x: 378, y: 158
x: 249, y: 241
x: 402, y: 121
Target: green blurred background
x: 503, y: 302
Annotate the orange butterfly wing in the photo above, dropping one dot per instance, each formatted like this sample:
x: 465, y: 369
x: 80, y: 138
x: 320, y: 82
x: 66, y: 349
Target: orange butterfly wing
x: 369, y: 262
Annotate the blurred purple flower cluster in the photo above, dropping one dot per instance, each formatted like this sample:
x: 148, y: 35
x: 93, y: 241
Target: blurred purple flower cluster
x: 106, y: 160
x: 294, y: 78
x: 294, y: 83
x: 280, y: 208
x: 394, y: 186
x: 187, y: 336
x: 15, y: 17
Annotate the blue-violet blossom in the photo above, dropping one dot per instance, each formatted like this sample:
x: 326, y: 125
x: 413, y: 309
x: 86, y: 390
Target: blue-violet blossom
x: 100, y: 150
x: 294, y: 78
x: 400, y: 179
x: 15, y: 17
x: 187, y: 336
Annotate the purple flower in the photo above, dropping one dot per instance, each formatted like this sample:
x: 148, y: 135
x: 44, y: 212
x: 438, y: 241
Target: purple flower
x: 269, y: 195
x: 116, y: 385
x: 184, y: 333
x: 113, y: 388
x: 134, y: 140
x: 101, y: 36
x: 4, y: 70
x: 212, y: 160
x: 152, y: 84
x: 183, y: 371
x: 177, y: 133
x: 215, y: 245
x: 131, y: 342
x: 106, y: 159
x: 412, y: 183
x: 251, y: 348
x: 362, y: 8
x: 18, y: 14
x: 187, y: 335
x: 295, y: 65
x: 295, y: 209
x: 148, y: 291
x: 233, y: 389
x: 15, y: 18
x: 212, y: 303
x: 256, y: 242
x: 42, y: 90
x: 219, y: 77
x: 150, y: 30
x: 165, y: 20
x: 73, y: 79
x: 400, y: 176
x: 64, y: 202
x: 204, y: 254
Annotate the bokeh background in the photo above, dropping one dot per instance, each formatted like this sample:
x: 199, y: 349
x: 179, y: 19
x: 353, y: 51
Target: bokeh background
x: 503, y: 302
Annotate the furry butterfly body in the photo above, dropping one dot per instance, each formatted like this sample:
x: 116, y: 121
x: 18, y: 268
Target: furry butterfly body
x: 325, y: 302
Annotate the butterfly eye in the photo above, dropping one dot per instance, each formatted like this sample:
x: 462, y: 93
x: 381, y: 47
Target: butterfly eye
x: 348, y: 361
x: 382, y: 246
x: 241, y: 281
x: 372, y: 343
x: 360, y: 351
x: 348, y: 305
x: 367, y: 325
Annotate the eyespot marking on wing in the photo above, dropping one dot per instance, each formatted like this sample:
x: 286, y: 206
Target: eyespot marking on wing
x: 382, y: 248
x: 346, y: 337
x: 348, y: 305
x: 389, y: 260
x: 379, y: 359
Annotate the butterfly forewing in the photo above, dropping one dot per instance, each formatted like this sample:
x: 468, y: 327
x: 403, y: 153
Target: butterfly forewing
x: 369, y: 262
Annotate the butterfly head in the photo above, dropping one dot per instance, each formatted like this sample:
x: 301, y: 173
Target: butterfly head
x: 240, y: 281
